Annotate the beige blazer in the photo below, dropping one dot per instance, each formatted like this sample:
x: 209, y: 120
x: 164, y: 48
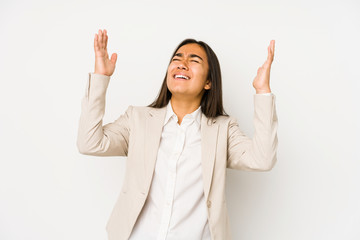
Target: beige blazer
x: 136, y: 134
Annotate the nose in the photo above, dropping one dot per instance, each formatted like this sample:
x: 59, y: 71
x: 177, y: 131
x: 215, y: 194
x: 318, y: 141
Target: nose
x: 182, y: 65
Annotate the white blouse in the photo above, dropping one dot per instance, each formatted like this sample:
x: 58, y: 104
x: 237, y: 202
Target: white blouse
x: 175, y: 208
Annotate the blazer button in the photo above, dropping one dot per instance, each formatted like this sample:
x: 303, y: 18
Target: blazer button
x: 209, y: 203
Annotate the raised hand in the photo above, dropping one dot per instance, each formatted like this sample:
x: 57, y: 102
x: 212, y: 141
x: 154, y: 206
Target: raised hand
x: 261, y: 82
x: 103, y: 65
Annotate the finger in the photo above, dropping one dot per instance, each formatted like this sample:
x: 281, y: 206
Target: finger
x: 268, y: 60
x: 103, y: 39
x: 272, y: 45
x: 270, y: 52
x: 273, y: 48
x: 106, y: 38
x: 113, y: 58
x: 100, y: 42
x: 99, y: 39
x: 96, y: 45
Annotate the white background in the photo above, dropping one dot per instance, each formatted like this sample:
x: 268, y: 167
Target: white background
x: 48, y: 190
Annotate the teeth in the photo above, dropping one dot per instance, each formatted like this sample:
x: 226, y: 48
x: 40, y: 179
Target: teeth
x: 181, y: 76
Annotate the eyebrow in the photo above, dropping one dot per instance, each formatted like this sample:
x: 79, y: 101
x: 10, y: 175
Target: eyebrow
x: 191, y: 55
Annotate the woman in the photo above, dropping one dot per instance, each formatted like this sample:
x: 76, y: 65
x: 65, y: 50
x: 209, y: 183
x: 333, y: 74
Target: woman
x: 178, y: 147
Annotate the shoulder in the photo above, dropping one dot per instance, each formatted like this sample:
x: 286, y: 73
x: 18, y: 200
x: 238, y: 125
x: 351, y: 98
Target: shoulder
x: 140, y: 111
x: 139, y: 108
x: 131, y: 109
x: 225, y: 120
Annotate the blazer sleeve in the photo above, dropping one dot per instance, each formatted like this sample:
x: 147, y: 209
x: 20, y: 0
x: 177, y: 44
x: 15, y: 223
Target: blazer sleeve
x: 258, y: 153
x: 93, y: 138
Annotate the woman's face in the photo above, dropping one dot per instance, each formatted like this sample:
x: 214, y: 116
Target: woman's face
x: 187, y: 72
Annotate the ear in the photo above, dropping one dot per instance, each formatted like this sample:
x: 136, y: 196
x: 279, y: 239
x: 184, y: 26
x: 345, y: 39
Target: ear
x: 207, y: 85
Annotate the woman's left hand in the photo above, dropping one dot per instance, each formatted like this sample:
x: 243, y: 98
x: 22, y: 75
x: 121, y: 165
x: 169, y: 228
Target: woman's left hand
x: 261, y: 82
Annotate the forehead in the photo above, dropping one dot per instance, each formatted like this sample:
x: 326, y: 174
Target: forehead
x: 192, y: 48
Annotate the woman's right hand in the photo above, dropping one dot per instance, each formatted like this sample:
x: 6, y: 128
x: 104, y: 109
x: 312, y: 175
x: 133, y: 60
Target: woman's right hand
x: 103, y: 65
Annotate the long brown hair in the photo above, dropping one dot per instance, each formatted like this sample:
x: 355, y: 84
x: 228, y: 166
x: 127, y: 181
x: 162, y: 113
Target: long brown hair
x: 211, y: 101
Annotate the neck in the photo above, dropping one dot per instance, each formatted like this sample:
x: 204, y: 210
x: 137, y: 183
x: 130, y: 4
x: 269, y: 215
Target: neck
x: 181, y: 107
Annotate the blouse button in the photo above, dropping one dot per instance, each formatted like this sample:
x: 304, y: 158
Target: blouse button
x: 209, y: 203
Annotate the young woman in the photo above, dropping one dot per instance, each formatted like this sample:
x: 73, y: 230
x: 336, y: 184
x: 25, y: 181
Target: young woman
x: 178, y: 147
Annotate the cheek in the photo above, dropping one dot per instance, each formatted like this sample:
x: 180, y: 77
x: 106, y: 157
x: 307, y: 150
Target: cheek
x: 169, y: 81
x: 169, y: 70
x: 201, y: 74
x: 168, y: 73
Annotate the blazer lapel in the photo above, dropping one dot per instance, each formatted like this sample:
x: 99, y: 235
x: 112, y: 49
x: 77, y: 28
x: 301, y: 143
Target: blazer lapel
x: 209, y: 134
x: 154, y: 124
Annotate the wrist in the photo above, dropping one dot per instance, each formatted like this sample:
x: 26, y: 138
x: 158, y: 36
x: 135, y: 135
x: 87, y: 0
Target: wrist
x: 261, y: 91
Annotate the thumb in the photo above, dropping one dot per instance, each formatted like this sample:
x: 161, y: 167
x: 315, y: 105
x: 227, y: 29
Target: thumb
x: 113, y: 58
x: 259, y: 70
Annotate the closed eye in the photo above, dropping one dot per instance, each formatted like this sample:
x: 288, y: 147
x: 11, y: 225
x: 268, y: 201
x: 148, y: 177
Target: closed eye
x: 195, y: 61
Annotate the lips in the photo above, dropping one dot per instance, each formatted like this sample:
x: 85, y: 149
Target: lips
x: 181, y: 76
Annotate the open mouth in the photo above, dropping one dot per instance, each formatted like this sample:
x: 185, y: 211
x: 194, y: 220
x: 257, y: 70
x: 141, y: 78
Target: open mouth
x: 181, y: 77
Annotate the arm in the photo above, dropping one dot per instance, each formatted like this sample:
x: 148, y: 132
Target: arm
x: 94, y: 138
x: 258, y: 153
